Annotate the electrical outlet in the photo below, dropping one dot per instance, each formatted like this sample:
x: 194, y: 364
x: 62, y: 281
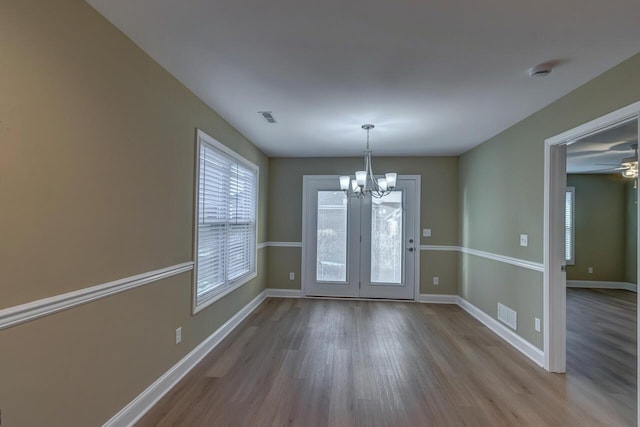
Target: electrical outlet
x: 524, y: 240
x: 292, y: 276
x: 426, y: 232
x: 537, y: 324
x: 590, y: 270
x: 436, y: 280
x: 179, y: 335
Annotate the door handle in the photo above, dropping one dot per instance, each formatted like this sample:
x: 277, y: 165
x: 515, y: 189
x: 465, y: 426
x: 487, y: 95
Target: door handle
x: 410, y: 249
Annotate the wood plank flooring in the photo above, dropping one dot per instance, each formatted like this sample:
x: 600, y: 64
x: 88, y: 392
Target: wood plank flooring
x: 601, y: 345
x: 310, y: 362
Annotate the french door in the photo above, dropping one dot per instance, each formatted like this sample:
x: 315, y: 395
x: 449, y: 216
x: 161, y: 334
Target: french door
x: 363, y: 248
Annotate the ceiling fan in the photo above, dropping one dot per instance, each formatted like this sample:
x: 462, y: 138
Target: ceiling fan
x: 628, y: 166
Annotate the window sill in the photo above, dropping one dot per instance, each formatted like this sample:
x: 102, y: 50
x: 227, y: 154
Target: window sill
x: 223, y: 293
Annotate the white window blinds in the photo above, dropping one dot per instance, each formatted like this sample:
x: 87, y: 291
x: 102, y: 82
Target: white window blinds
x: 226, y: 228
x: 569, y: 233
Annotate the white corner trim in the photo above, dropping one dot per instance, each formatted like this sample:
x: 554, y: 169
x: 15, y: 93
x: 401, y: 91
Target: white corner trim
x: 524, y: 346
x: 139, y: 406
x: 439, y: 248
x: 595, y: 284
x: 16, y: 315
x: 438, y: 298
x: 284, y: 244
x: 284, y: 293
x: 536, y: 266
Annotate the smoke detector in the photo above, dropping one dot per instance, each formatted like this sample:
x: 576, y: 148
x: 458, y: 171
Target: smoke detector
x: 268, y: 116
x: 540, y: 70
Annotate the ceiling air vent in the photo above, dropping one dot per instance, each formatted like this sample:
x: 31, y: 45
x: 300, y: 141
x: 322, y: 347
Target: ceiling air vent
x: 267, y: 116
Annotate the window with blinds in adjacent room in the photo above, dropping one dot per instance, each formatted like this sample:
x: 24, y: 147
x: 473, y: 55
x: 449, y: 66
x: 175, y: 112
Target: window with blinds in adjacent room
x: 569, y: 232
x: 226, y: 226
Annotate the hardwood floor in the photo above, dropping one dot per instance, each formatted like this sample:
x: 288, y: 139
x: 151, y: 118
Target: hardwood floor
x: 304, y: 362
x: 601, y: 345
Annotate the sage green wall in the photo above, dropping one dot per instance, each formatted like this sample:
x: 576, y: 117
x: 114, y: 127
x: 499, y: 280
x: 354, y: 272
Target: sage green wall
x: 513, y: 285
x: 599, y: 227
x: 97, y: 146
x: 501, y: 193
x: 439, y: 212
x: 631, y: 232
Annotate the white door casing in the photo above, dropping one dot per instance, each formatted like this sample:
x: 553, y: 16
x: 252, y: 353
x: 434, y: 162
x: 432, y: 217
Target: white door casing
x: 324, y: 275
x: 554, y: 291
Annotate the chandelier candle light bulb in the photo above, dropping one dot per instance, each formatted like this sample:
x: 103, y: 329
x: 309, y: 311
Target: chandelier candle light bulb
x: 382, y: 183
x: 344, y: 182
x: 366, y: 183
x: 391, y: 179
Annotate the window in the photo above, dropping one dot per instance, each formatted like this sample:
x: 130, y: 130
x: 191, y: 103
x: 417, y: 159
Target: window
x: 569, y: 227
x: 226, y: 206
x: 331, y: 249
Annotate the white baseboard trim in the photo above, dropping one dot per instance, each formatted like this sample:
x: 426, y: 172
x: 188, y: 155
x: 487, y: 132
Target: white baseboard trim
x: 596, y: 284
x: 33, y: 310
x: 139, y: 406
x: 524, y: 346
x: 438, y: 298
x: 284, y: 293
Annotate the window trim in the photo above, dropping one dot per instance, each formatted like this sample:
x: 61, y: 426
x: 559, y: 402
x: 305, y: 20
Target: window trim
x: 572, y: 260
x: 203, y: 138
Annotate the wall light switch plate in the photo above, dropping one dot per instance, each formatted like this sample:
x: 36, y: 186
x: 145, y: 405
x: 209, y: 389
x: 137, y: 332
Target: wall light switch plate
x: 292, y: 275
x: 178, y: 335
x: 524, y: 240
x: 537, y: 324
x: 590, y: 270
x: 426, y: 232
x: 436, y: 280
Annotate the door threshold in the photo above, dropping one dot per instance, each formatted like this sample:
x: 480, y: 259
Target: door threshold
x: 356, y: 298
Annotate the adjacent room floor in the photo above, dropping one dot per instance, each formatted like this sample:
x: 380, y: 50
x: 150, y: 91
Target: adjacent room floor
x: 601, y: 346
x: 310, y: 362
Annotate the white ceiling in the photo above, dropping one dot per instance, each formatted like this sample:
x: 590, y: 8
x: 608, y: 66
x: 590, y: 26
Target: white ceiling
x: 436, y: 77
x: 603, y: 152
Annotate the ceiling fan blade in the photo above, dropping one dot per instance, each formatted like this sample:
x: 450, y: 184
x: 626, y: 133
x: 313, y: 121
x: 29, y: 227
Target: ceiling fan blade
x: 604, y: 170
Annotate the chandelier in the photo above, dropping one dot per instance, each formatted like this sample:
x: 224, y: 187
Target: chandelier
x: 365, y: 182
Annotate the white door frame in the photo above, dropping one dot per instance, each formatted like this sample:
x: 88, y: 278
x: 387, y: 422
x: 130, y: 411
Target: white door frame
x: 303, y: 269
x: 554, y: 294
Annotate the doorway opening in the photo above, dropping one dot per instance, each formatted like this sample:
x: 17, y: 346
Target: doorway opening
x: 360, y: 247
x: 601, y: 264
x: 559, y: 254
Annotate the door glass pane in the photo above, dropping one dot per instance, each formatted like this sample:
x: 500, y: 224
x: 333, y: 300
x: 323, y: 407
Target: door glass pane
x: 386, y: 239
x: 331, y: 264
